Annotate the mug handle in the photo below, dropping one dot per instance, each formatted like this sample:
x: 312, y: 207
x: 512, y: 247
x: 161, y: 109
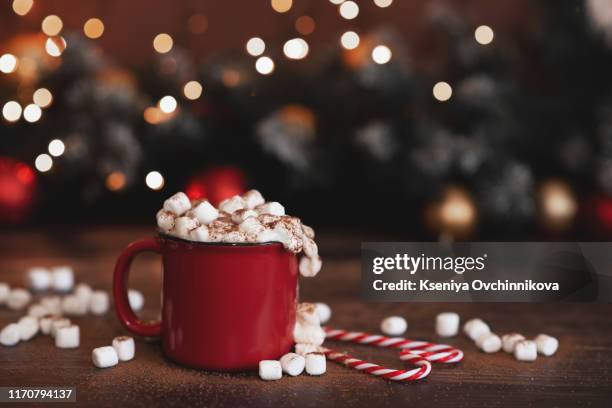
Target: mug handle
x: 120, y: 292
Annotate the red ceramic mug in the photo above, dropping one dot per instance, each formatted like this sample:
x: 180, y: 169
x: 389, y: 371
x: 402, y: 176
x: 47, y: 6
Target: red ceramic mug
x: 225, y: 306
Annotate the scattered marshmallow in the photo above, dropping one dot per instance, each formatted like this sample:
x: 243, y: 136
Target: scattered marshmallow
x: 525, y: 350
x: 62, y: 278
x: 308, y: 231
x: 310, y: 247
x: 232, y: 204
x: 309, y: 267
x: 394, y: 326
x: 39, y: 278
x: 28, y: 327
x: 271, y: 207
x: 99, y: 302
x: 18, y: 298
x: 239, y: 216
x: 200, y: 234
x: 46, y: 323
x: 546, y: 345
x: 306, y: 314
x: 205, y: 212
x: 489, y: 343
x: 293, y: 364
x: 475, y: 328
x: 304, y: 348
x: 4, y: 292
x: 178, y: 204
x: 83, y: 291
x: 37, y: 311
x: 57, y: 324
x: 315, y: 363
x: 104, y: 357
x: 323, y: 311
x: 509, y: 341
x: 68, y: 337
x: 53, y: 304
x: 447, y: 324
x: 270, y: 370
x: 125, y: 347
x: 307, y: 333
x: 9, y: 336
x: 72, y: 305
x: 136, y: 299
x: 253, y: 198
x: 165, y: 220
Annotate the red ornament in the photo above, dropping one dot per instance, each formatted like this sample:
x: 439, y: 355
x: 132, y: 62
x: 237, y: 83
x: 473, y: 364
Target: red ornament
x: 216, y: 184
x: 17, y: 191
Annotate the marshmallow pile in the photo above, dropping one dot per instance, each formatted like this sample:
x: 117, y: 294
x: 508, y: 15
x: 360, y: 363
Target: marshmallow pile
x: 239, y: 219
x: 308, y: 336
x: 122, y: 348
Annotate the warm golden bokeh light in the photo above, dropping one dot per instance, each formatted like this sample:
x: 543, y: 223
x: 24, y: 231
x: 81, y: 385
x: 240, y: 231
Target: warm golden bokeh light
x: 230, y: 77
x: 281, y: 6
x: 52, y: 25
x: 56, y: 147
x: 381, y: 54
x: 43, y: 163
x: 484, y: 35
x: 32, y: 113
x: 305, y: 25
x: 42, y: 97
x: 11, y: 111
x: 383, y: 3
x: 192, y: 90
x: 255, y: 46
x: 350, y: 40
x: 557, y: 204
x: 167, y: 104
x: 8, y: 63
x: 115, y: 181
x: 349, y: 10
x: 154, y: 180
x: 55, y: 46
x: 22, y: 7
x: 264, y: 65
x: 93, y: 28
x: 296, y: 48
x: 442, y: 91
x: 163, y: 43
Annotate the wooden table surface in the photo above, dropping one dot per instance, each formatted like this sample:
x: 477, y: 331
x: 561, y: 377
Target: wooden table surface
x: 580, y: 374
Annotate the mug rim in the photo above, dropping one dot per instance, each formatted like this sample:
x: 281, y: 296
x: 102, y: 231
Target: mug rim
x: 222, y: 244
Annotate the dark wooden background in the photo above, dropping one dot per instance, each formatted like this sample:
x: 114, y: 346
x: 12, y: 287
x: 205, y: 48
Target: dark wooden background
x: 579, y: 375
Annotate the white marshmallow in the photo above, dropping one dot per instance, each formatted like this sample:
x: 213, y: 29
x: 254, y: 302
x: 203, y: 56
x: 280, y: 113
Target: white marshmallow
x: 270, y: 370
x: 307, y: 333
x: 475, y: 328
x: 323, y: 311
x: 304, y: 348
x: 447, y: 324
x: 268, y: 235
x: 251, y: 226
x: 253, y: 198
x: 199, y: 234
x: 46, y: 323
x: 53, y: 304
x: 394, y: 326
x: 104, y: 357
x: 546, y: 345
x: 239, y: 216
x: 310, y: 267
x: 9, y: 336
x: 5, y: 289
x: 63, y: 278
x: 489, y: 343
x: 271, y: 207
x: 205, y: 212
x: 18, y: 298
x: 178, y: 204
x: 68, y: 337
x: 58, y: 324
x: 28, y: 327
x: 83, y: 291
x: 308, y: 231
x: 293, y: 364
x: 525, y: 350
x: 37, y: 311
x: 165, y: 220
x: 39, y: 278
x: 183, y: 226
x: 136, y: 299
x: 310, y: 247
x: 306, y: 314
x: 315, y: 363
x: 509, y: 341
x: 72, y: 305
x: 232, y: 204
x: 125, y: 347
x: 290, y: 241
x: 99, y: 302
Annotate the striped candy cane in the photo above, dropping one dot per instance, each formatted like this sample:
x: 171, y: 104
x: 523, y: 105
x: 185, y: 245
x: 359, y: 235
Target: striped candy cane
x: 442, y: 353
x: 422, y: 371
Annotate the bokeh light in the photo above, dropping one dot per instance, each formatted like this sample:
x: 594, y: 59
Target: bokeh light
x: 281, y: 6
x: 154, y: 180
x: 43, y: 163
x: 381, y: 54
x: 255, y: 46
x: 350, y: 40
x: 42, y: 97
x: 305, y: 25
x: 55, y: 46
x: 264, y: 65
x: 557, y: 204
x: 8, y: 63
x: 383, y: 3
x: 442, y: 91
x: 115, y: 181
x: 296, y: 48
x: 484, y: 35
x: 93, y: 28
x: 52, y: 25
x: 349, y: 10
x: 11, y: 111
x: 167, y: 104
x: 22, y: 7
x: 192, y: 90
x: 56, y: 148
x: 162, y: 43
x: 32, y: 113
